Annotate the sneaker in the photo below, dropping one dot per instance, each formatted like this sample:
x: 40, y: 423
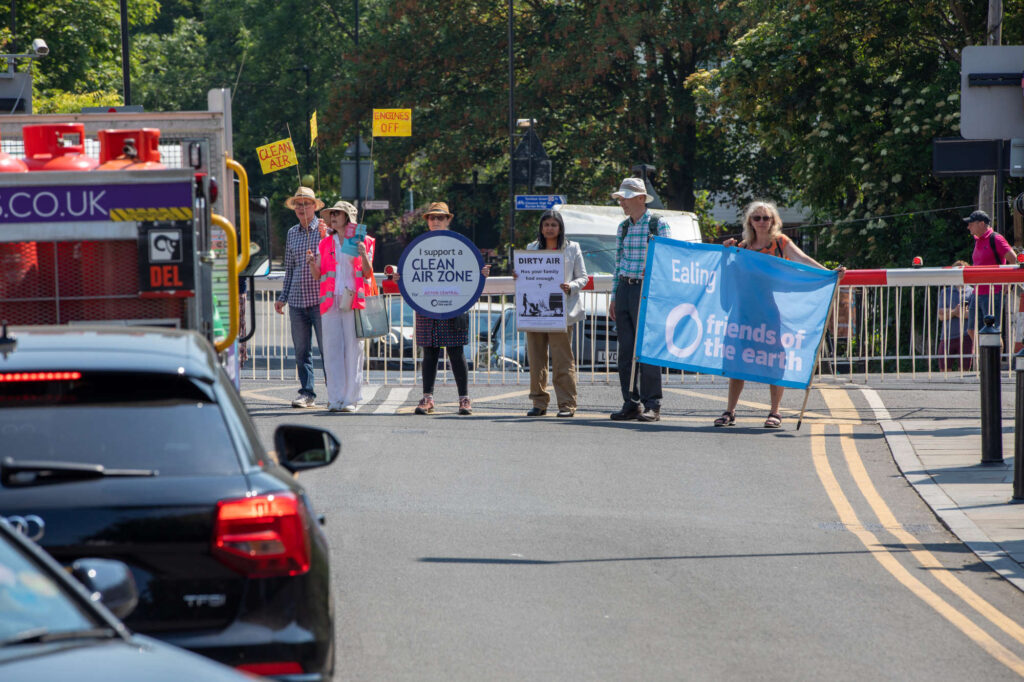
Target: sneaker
x: 334, y: 407
x: 536, y: 412
x: 426, y: 405
x: 651, y: 414
x: 303, y: 400
x: 464, y: 406
x: 349, y: 408
x: 628, y: 412
x: 565, y: 412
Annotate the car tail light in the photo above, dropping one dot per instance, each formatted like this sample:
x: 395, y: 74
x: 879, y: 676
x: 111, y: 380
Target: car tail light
x: 275, y: 668
x: 263, y: 536
x: 39, y: 376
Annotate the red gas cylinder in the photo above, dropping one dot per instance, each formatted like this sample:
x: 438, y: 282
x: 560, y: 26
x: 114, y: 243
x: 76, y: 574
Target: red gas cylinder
x: 11, y: 164
x: 137, y: 149
x: 56, y: 147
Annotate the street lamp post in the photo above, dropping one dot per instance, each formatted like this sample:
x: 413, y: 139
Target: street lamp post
x: 126, y: 70
x: 511, y: 127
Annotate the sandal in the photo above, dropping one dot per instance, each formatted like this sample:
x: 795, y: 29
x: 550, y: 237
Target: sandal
x: 773, y: 421
x: 727, y: 419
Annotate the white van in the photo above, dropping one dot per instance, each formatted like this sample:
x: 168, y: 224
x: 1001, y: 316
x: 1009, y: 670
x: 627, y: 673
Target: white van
x: 595, y: 227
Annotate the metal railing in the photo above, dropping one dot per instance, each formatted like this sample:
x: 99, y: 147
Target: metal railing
x: 876, y: 330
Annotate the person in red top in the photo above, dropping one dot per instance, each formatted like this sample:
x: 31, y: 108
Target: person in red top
x: 990, y: 248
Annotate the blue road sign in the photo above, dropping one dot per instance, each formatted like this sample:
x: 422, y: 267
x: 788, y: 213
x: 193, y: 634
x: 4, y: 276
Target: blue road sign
x: 538, y: 202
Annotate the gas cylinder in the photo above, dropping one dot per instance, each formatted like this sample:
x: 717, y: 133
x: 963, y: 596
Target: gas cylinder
x: 137, y: 149
x: 11, y: 164
x: 57, y: 146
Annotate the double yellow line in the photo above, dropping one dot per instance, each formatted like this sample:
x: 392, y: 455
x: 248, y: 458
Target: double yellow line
x: 839, y: 403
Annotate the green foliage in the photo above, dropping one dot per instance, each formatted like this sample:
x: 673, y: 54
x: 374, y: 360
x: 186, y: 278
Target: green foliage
x: 59, y: 102
x: 846, y: 96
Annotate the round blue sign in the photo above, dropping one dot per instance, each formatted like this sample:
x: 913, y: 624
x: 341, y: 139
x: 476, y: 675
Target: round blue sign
x: 439, y: 274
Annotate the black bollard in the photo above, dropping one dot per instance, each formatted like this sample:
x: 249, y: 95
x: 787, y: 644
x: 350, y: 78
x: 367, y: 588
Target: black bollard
x: 991, y: 398
x: 1018, y: 429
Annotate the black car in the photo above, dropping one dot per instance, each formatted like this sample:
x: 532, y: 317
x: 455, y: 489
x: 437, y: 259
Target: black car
x: 52, y: 629
x: 131, y: 444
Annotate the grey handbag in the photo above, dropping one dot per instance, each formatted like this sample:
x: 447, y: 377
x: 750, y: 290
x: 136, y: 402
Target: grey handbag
x: 372, y: 321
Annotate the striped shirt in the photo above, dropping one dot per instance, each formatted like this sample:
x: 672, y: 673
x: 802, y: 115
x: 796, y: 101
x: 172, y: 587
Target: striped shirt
x: 631, y: 249
x: 299, y: 290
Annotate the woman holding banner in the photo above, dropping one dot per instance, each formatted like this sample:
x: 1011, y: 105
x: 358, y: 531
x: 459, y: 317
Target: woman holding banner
x: 551, y: 237
x: 450, y: 334
x: 342, y: 291
x: 762, y: 232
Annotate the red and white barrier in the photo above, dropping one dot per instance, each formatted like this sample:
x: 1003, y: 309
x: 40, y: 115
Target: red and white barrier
x: 906, y: 277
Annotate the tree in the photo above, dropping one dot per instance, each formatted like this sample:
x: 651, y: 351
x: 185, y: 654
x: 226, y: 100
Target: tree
x: 605, y: 86
x: 846, y: 96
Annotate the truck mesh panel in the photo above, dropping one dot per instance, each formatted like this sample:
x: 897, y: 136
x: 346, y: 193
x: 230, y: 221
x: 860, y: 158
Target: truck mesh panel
x: 62, y: 282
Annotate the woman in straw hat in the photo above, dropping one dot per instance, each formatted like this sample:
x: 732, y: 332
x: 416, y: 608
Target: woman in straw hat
x: 342, y: 292
x: 452, y: 334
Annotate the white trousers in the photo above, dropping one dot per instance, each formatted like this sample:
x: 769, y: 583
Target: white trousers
x: 343, y: 357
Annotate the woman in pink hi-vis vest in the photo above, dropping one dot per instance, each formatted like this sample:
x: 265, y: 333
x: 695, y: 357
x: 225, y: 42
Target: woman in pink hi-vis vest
x: 342, y: 291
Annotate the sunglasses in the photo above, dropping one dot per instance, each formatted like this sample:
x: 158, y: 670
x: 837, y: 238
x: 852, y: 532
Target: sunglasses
x: 759, y: 218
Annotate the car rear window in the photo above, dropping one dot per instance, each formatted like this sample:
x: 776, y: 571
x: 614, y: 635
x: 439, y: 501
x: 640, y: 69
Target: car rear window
x: 135, y: 421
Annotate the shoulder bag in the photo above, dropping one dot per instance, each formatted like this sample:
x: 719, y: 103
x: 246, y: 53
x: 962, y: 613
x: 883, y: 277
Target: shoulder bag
x: 372, y: 321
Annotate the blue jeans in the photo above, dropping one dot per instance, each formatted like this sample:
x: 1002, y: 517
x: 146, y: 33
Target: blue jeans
x: 305, y: 321
x: 981, y: 305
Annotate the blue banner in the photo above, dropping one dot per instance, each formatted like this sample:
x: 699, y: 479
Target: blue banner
x: 730, y: 311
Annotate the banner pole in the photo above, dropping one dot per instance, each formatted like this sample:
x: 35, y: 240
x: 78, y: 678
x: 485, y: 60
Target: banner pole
x: 817, y: 356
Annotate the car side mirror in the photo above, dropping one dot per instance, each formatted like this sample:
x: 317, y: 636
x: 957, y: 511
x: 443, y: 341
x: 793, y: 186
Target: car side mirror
x: 108, y: 582
x: 305, y: 447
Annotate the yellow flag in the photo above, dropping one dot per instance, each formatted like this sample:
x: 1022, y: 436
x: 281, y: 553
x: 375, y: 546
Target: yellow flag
x: 312, y: 129
x: 277, y: 155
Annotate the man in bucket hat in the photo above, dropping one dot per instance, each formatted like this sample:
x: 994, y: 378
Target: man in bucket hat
x: 642, y: 402
x: 300, y: 291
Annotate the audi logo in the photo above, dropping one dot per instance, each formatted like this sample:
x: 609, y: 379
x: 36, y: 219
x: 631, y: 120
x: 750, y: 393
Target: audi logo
x: 30, y: 525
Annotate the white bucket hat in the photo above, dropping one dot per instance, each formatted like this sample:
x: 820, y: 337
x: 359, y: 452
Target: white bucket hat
x: 632, y: 187
x: 346, y: 207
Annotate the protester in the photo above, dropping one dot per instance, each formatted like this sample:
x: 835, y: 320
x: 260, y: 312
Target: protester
x: 452, y: 334
x: 952, y: 309
x: 342, y: 291
x: 990, y: 248
x: 762, y: 232
x: 300, y: 290
x: 624, y: 308
x: 551, y: 237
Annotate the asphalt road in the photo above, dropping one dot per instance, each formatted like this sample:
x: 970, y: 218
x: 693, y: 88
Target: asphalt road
x: 496, y: 547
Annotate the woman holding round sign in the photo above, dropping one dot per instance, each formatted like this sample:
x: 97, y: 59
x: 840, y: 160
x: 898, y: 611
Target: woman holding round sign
x: 762, y: 232
x: 441, y: 275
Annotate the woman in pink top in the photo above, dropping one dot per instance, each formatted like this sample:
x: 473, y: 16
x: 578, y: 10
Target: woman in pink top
x: 342, y: 291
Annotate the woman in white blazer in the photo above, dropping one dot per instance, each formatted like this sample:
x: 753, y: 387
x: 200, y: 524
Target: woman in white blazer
x: 539, y: 345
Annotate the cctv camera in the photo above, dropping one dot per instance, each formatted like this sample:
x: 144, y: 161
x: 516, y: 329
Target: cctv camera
x: 39, y: 47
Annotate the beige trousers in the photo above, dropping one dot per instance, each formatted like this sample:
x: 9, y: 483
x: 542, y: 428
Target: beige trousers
x: 563, y: 368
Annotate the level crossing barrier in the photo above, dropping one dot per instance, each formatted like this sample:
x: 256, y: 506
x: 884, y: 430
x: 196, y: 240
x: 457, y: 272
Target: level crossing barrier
x: 885, y: 325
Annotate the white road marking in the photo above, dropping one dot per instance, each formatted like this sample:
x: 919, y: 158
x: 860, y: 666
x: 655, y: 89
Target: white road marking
x: 395, y: 398
x: 369, y: 393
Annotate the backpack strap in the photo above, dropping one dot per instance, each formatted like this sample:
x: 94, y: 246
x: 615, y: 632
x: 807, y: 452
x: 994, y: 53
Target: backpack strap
x: 995, y: 253
x: 654, y: 224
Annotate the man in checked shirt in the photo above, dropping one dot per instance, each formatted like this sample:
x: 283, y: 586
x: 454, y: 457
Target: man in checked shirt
x: 300, y: 291
x: 642, y: 403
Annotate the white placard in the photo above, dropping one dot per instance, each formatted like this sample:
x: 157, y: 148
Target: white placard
x: 540, y: 301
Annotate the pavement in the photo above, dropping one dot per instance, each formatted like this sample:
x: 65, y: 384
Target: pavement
x: 941, y: 459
